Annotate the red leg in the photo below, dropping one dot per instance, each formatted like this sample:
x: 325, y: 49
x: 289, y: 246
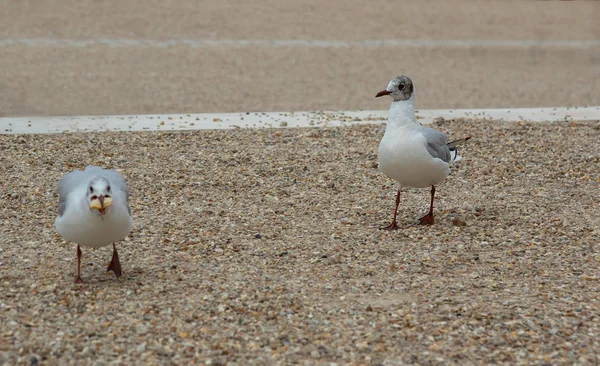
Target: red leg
x: 78, y: 279
x: 115, y: 265
x: 428, y: 219
x: 394, y: 224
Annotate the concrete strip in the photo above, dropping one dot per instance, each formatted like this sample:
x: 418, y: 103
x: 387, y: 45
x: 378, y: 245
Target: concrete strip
x: 218, y: 121
x: 307, y: 43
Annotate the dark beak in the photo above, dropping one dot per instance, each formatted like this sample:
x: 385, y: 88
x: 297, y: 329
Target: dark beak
x: 382, y: 93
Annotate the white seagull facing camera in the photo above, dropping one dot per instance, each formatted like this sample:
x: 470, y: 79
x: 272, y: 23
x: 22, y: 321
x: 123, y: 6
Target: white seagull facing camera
x: 413, y: 155
x: 93, y: 211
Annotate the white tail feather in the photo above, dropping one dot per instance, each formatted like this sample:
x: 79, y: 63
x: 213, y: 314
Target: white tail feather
x: 453, y: 146
x: 455, y: 157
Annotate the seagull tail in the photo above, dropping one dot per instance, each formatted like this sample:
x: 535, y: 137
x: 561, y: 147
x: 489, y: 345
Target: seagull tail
x: 453, y: 146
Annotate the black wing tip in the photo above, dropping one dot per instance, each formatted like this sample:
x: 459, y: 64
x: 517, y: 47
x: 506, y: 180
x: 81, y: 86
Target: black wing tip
x: 453, y: 144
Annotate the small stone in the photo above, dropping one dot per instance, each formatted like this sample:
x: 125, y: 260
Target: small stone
x: 456, y: 221
x: 141, y: 348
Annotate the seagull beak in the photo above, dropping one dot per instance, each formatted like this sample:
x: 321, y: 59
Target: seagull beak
x: 101, y: 203
x: 102, y: 208
x: 382, y: 93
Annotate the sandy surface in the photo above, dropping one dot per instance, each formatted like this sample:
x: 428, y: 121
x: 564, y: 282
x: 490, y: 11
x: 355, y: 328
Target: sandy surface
x: 51, y: 79
x: 308, y: 19
x: 263, y: 247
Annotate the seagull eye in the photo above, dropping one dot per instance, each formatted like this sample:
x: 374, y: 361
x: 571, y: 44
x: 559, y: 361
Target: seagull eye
x: 91, y: 189
x: 401, y: 86
x: 108, y: 188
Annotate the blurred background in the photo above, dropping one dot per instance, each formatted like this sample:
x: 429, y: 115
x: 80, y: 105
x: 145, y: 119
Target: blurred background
x: 95, y: 57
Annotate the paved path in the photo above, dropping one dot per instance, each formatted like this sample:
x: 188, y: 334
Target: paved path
x: 135, y: 57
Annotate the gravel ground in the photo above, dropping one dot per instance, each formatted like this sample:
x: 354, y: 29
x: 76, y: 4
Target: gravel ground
x: 263, y: 247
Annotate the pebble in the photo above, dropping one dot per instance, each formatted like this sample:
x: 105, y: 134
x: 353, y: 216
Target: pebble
x: 323, y: 284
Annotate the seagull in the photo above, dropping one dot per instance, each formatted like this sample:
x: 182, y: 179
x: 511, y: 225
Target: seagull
x: 413, y: 155
x: 93, y: 211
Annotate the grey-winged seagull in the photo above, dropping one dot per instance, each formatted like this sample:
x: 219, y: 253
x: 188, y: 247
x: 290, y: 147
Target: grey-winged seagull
x: 413, y: 155
x: 93, y: 211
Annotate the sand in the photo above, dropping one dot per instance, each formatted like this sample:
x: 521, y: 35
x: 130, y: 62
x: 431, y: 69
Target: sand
x: 61, y: 78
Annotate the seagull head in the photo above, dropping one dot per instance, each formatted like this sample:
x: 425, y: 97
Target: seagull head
x: 99, y: 195
x: 399, y: 88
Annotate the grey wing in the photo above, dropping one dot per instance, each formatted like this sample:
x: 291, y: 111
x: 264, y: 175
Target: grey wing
x: 437, y: 144
x: 62, y: 207
x: 67, y: 184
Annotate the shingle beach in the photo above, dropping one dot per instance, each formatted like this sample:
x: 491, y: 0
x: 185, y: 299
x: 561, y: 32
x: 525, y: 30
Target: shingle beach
x: 263, y: 247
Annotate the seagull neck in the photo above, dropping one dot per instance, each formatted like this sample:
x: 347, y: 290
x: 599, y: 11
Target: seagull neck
x: 402, y: 114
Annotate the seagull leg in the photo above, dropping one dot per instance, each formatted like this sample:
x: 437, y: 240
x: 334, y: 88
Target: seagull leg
x: 428, y: 219
x: 78, y: 279
x: 115, y: 265
x: 394, y: 224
